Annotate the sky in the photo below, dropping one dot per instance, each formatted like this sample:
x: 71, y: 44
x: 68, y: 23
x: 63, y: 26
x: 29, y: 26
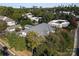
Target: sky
x: 29, y: 5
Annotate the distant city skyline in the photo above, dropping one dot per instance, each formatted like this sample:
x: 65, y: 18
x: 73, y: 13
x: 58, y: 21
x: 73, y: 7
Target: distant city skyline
x: 30, y: 5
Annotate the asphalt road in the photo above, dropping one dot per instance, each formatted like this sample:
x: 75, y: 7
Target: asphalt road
x: 77, y: 49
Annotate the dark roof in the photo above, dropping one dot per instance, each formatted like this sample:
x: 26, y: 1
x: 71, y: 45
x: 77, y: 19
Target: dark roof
x: 77, y: 16
x: 42, y: 29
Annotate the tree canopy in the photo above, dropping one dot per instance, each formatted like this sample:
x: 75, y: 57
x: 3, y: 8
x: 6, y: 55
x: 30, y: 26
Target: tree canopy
x: 15, y: 41
x: 34, y: 39
x: 59, y: 43
x: 3, y: 26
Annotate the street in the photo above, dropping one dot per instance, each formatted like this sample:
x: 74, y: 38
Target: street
x: 77, y: 49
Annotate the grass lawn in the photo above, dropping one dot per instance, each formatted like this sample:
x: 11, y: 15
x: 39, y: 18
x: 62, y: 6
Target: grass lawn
x: 14, y: 41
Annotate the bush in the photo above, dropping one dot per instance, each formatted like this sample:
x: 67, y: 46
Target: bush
x: 59, y: 43
x: 3, y: 26
x: 15, y: 41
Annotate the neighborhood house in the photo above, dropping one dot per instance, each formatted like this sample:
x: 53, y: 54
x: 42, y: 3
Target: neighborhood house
x: 9, y: 21
x: 13, y: 28
x: 31, y: 17
x: 59, y: 23
x: 41, y: 29
x: 67, y: 12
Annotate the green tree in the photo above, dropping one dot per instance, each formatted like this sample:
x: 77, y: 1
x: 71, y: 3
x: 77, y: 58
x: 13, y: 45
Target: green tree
x: 34, y: 40
x: 1, y: 53
x: 15, y: 41
x: 3, y: 26
x: 25, y: 22
x: 6, y: 11
x: 59, y: 43
x: 47, y: 17
x: 17, y: 14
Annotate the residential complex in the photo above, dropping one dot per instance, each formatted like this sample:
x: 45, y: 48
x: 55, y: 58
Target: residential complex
x: 39, y: 31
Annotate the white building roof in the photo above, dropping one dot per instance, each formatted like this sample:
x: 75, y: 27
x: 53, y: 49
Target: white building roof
x: 13, y: 27
x: 59, y: 23
x: 32, y: 17
x: 6, y: 19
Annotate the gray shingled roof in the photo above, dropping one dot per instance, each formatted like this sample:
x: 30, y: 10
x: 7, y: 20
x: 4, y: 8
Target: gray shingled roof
x: 77, y: 16
x: 42, y: 29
